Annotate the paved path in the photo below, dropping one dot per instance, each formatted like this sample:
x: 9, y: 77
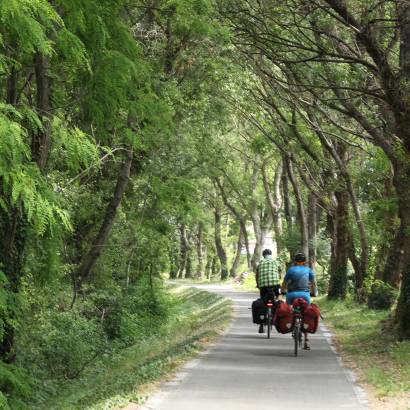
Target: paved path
x: 244, y: 370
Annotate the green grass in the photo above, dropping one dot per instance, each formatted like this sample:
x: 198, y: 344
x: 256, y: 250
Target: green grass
x: 364, y: 338
x: 115, y: 380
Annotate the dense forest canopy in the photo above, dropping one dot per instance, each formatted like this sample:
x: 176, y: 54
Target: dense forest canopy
x: 147, y: 139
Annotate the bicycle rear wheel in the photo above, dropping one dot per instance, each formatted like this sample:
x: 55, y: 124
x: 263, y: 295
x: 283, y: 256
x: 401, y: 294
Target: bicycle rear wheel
x: 268, y: 322
x: 296, y: 337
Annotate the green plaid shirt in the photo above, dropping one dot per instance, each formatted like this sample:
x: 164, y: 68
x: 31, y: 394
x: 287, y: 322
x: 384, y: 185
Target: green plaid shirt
x: 267, y: 273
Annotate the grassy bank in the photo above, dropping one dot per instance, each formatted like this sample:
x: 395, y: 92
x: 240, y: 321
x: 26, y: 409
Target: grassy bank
x: 381, y: 362
x: 114, y: 380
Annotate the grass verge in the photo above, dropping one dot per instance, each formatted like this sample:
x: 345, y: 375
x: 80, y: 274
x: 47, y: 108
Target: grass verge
x: 381, y: 362
x: 197, y: 316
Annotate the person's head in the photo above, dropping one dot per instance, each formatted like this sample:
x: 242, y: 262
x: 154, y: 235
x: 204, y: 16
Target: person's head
x: 266, y: 253
x: 299, y: 259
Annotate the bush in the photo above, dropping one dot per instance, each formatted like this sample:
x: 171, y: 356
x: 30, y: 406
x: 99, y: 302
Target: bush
x: 132, y: 314
x: 62, y: 343
x: 380, y: 295
x: 322, y: 281
x: 14, y: 384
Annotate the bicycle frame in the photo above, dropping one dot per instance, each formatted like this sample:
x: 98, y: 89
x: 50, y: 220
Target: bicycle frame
x: 269, y: 317
x: 297, y: 329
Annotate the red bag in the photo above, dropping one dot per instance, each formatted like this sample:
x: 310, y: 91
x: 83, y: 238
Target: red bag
x: 311, y: 317
x: 283, y: 319
x: 301, y: 303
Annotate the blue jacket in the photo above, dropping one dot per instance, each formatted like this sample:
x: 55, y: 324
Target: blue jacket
x: 297, y: 278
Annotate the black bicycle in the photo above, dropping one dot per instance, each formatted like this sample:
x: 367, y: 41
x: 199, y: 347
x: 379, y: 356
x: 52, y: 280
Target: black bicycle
x: 268, y: 322
x: 297, y: 329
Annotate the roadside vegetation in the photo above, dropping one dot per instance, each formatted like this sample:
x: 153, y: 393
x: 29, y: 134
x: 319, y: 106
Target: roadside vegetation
x: 368, y: 345
x: 77, y: 367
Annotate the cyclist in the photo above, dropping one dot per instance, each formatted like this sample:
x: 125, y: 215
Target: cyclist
x: 300, y: 282
x: 267, y: 278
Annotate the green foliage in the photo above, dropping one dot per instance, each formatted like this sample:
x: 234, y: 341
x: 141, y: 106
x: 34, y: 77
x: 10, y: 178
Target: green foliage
x: 14, y: 384
x: 73, y: 149
x: 166, y: 82
x: 380, y: 295
x: 27, y: 23
x: 63, y: 343
x: 22, y: 180
x: 134, y: 315
x: 116, y: 374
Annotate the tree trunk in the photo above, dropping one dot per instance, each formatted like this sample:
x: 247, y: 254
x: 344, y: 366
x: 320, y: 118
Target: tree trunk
x: 239, y: 217
x: 173, y: 260
x: 338, y: 152
x: 12, y: 262
x: 401, y: 182
x: 189, y: 273
x: 12, y: 87
x: 258, y: 238
x: 208, y: 266
x: 277, y: 220
x: 352, y: 254
x: 395, y: 259
x: 312, y: 228
x: 219, y: 246
x: 90, y: 259
x: 183, y: 250
x: 246, y: 242
x: 237, y: 260
x: 173, y: 256
x: 214, y: 266
x: 340, y: 247
x: 188, y: 267
x: 256, y: 219
x: 286, y: 198
x: 200, y: 252
x: 390, y: 257
x: 41, y: 143
x: 301, y: 210
x: 274, y: 202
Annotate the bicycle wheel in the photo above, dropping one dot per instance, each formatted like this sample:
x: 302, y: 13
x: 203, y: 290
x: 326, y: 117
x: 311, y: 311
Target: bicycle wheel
x: 268, y: 322
x: 296, y: 337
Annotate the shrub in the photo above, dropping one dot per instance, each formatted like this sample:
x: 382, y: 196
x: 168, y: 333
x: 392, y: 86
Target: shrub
x: 14, y: 384
x: 63, y: 343
x: 133, y: 314
x: 380, y: 295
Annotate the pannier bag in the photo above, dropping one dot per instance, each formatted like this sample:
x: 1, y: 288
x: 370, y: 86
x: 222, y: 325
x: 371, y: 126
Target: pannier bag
x: 300, y: 303
x: 311, y: 317
x: 258, y: 311
x: 283, y: 318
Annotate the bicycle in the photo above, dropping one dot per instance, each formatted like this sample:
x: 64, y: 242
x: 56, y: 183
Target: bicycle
x: 268, y: 321
x: 297, y: 328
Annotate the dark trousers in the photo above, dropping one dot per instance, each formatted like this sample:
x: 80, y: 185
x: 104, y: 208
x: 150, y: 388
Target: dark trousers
x: 269, y: 293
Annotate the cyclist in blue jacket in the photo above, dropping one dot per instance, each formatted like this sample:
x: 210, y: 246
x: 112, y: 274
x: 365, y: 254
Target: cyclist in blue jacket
x: 299, y: 282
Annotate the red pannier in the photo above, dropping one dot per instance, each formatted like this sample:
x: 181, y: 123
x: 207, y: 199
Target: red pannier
x: 283, y: 319
x: 311, y: 317
x: 300, y: 303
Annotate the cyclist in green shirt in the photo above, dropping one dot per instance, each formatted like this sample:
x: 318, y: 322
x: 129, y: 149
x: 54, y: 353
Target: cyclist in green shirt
x: 267, y: 278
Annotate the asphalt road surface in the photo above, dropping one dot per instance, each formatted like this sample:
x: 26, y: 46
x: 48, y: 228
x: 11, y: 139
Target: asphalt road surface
x: 245, y: 370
